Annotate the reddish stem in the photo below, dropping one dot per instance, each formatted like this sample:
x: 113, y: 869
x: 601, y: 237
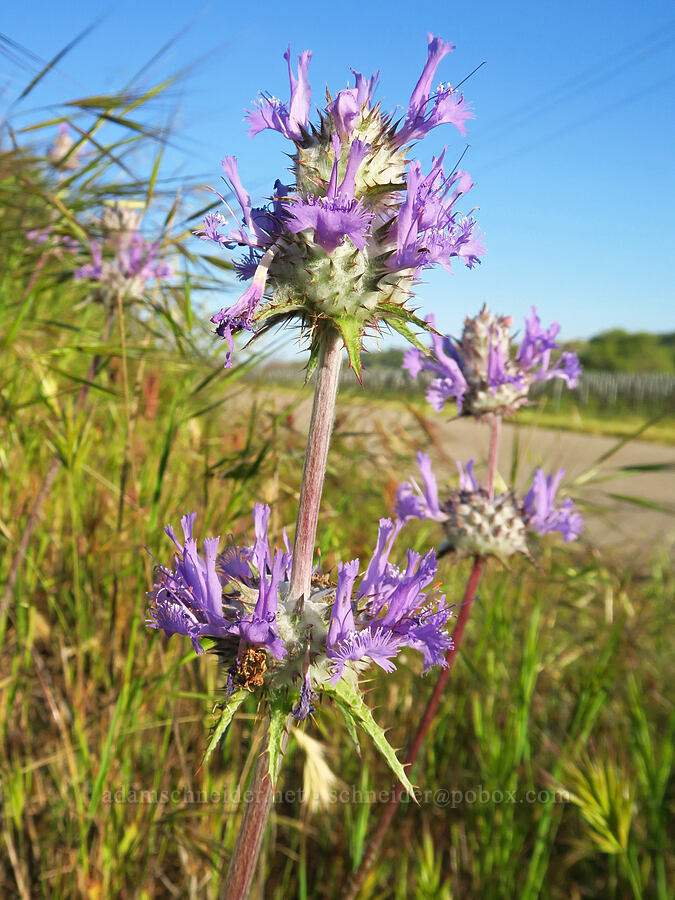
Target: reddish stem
x: 495, y: 433
x: 435, y: 699
x: 422, y: 729
x: 249, y: 840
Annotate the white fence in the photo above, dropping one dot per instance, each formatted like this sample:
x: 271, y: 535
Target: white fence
x: 632, y: 390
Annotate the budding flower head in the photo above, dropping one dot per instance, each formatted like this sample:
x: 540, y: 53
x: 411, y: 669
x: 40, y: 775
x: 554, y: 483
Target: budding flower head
x: 477, y: 524
x: 483, y: 373
x: 268, y: 641
x: 61, y: 153
x: 120, y: 220
x: 346, y: 241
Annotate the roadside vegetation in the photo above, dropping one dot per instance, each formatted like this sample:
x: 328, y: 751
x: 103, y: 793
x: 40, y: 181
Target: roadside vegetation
x: 550, y: 771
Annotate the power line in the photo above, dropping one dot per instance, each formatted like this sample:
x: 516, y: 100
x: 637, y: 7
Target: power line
x: 588, y: 79
x: 580, y: 123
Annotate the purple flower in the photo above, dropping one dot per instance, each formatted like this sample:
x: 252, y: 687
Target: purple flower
x: 427, y: 230
x: 444, y: 364
x: 478, y: 371
x: 135, y: 263
x: 266, y: 638
x: 246, y: 266
x: 289, y: 120
x: 412, y: 502
x: 543, y: 515
x: 348, y: 103
x: 447, y: 107
x: 238, y: 317
x: 467, y: 480
x: 94, y: 269
x: 187, y: 599
x: 260, y: 627
x: 394, y: 610
x: 57, y: 241
x: 338, y: 214
x: 380, y: 646
x: 377, y: 567
x: 477, y: 524
x: 342, y: 616
x: 257, y: 222
x: 210, y: 230
x: 192, y: 597
x: 349, y: 238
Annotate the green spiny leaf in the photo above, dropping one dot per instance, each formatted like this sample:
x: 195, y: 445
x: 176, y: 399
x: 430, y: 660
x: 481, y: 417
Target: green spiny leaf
x: 227, y: 712
x: 350, y: 696
x: 277, y: 309
x: 276, y: 735
x: 350, y: 723
x: 313, y: 360
x: 350, y: 330
x: 404, y: 331
x: 391, y: 310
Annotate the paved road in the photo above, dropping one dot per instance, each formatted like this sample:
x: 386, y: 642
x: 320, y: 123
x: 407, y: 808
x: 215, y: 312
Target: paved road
x: 611, y: 525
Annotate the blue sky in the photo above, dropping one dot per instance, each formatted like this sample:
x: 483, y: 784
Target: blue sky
x: 572, y: 149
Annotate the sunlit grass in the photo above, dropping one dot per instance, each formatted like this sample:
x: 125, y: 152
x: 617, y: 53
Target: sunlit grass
x: 561, y: 684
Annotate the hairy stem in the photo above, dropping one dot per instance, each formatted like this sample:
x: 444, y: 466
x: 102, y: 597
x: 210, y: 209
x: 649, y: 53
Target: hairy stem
x: 495, y: 435
x: 318, y: 439
x: 249, y: 840
x: 261, y: 791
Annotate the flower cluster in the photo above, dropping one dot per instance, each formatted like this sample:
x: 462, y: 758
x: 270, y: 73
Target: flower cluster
x: 347, y: 241
x: 481, y: 373
x: 240, y: 598
x: 477, y: 524
x: 133, y: 261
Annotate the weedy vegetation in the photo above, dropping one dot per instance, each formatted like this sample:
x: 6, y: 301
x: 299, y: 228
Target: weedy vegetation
x: 549, y: 770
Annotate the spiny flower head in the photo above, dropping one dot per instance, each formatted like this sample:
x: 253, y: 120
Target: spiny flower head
x: 120, y: 221
x: 346, y: 241
x: 477, y: 524
x: 240, y: 599
x: 123, y: 260
x: 482, y: 373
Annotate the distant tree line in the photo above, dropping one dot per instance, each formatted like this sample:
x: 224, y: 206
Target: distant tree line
x: 622, y: 351
x: 612, y: 351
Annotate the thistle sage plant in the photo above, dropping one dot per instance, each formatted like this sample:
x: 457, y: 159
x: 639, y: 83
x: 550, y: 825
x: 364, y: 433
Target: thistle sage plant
x: 122, y: 260
x: 338, y: 251
x: 489, y: 379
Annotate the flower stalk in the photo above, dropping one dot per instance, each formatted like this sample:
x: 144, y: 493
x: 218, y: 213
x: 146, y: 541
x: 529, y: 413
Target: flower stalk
x: 316, y: 456
x: 493, y: 453
x: 434, y: 701
x: 261, y: 792
x: 256, y: 813
x: 428, y: 716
